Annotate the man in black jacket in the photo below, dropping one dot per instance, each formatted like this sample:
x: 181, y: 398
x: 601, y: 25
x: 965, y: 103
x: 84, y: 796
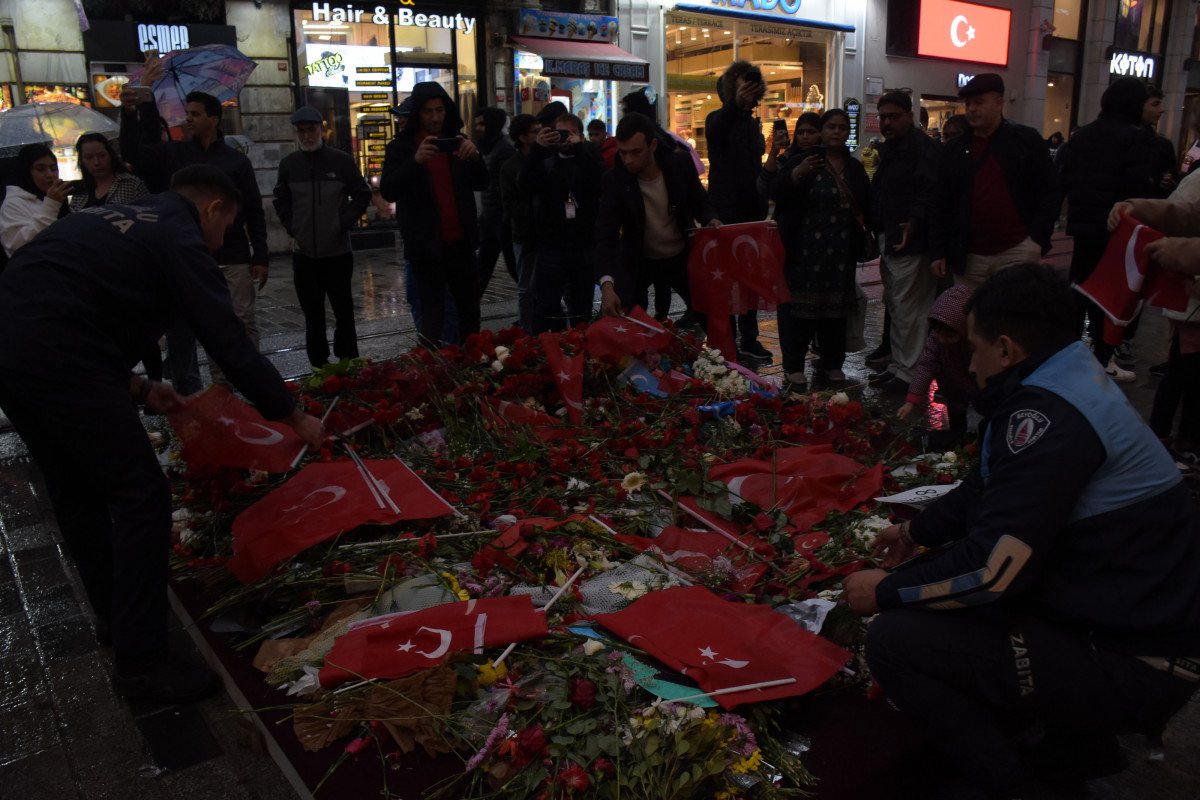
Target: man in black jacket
x: 735, y: 150
x: 243, y: 257
x: 77, y: 306
x: 319, y: 195
x: 431, y: 172
x: 1105, y: 162
x: 902, y: 200
x: 522, y: 130
x: 561, y: 177
x: 997, y: 197
x: 648, y: 202
x: 1070, y: 590
x: 495, y: 238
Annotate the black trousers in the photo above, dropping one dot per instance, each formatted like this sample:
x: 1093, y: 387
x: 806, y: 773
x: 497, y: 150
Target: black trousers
x: 973, y: 678
x: 492, y: 247
x: 1180, y: 385
x: 316, y: 279
x: 795, y: 335
x: 1087, y: 254
x: 455, y: 270
x: 111, y: 500
x: 665, y: 273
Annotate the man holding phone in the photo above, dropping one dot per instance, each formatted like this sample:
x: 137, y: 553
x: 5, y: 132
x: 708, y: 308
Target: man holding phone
x: 562, y: 179
x: 735, y: 151
x: 431, y: 172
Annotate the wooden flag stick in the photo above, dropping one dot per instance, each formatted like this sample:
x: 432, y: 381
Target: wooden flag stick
x: 645, y: 325
x: 365, y: 474
x: 665, y: 568
x: 304, y: 449
x: 749, y: 687
x: 554, y: 599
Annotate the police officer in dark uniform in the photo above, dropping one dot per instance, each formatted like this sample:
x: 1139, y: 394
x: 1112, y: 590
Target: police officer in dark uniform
x: 77, y: 306
x: 1070, y: 590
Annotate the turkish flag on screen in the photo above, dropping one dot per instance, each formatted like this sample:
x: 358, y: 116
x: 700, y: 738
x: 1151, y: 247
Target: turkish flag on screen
x: 320, y: 502
x: 219, y: 430
x: 631, y: 335
x: 396, y: 645
x: 964, y: 31
x: 734, y: 269
x: 1125, y: 278
x: 721, y: 645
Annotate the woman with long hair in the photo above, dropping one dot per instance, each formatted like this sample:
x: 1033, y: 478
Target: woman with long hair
x: 34, y: 197
x: 821, y: 195
x: 106, y: 180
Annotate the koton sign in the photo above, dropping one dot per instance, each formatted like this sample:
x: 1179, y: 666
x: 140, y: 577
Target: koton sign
x: 1124, y: 64
x: 964, y: 32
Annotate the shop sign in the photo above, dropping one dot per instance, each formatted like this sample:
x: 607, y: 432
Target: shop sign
x: 345, y: 66
x: 694, y: 21
x: 854, y: 111
x: 406, y: 17
x: 1127, y: 64
x: 577, y: 27
x: 600, y: 70
x: 814, y: 10
x: 964, y: 31
x: 163, y: 38
x: 964, y: 78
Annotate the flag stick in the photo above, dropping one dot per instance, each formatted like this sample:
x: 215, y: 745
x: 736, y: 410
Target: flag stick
x: 733, y: 689
x: 554, y: 599
x: 645, y: 325
x: 367, y: 477
x: 445, y: 502
x: 304, y: 449
x: 396, y: 541
x: 662, y: 567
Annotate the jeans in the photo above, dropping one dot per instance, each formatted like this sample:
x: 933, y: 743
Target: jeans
x: 449, y: 327
x: 526, y: 266
x: 454, y: 271
x: 562, y: 275
x: 490, y: 249
x: 316, y: 279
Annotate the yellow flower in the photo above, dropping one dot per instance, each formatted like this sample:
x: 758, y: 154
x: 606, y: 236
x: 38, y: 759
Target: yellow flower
x: 489, y: 674
x: 748, y: 764
x: 460, y: 593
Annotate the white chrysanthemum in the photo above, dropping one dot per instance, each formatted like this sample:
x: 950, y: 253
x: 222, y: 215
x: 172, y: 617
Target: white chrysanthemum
x: 633, y: 482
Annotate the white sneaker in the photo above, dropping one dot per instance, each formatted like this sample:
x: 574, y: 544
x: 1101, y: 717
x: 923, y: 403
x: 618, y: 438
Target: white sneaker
x: 1119, y: 375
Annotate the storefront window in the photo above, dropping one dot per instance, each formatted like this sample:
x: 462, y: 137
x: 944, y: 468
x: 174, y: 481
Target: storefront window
x: 1060, y: 93
x: 936, y: 109
x: 468, y: 80
x: 1067, y: 18
x: 1140, y: 25
x: 795, y: 63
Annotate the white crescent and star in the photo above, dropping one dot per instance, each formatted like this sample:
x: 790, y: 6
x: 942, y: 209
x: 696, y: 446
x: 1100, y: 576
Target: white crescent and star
x: 711, y: 655
x: 443, y: 647
x: 335, y: 493
x: 271, y: 437
x: 745, y: 239
x: 955, y: 25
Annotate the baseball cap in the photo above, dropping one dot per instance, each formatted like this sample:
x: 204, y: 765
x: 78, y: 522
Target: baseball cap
x: 983, y: 82
x: 307, y: 114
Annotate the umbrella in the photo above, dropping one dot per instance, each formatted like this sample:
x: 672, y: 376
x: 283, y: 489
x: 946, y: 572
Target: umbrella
x: 217, y: 69
x: 52, y: 123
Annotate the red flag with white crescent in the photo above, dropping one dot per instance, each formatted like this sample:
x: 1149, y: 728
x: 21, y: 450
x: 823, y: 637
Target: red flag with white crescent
x: 395, y: 645
x: 322, y: 501
x: 632, y: 335
x: 219, y: 430
x: 568, y: 375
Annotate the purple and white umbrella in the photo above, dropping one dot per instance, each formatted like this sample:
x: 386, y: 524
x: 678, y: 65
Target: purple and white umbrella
x: 217, y: 69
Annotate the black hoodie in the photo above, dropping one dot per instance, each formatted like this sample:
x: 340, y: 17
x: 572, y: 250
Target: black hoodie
x: 408, y: 184
x: 1108, y: 160
x: 497, y: 149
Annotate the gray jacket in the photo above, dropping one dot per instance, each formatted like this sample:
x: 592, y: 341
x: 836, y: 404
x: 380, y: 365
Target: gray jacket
x: 319, y: 196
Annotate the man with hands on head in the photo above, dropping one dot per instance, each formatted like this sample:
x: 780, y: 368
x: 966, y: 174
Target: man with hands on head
x: 431, y: 172
x: 73, y: 322
x: 649, y: 202
x: 1070, y: 592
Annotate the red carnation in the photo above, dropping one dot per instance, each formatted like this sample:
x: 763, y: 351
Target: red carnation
x: 582, y: 692
x: 573, y: 778
x: 532, y: 740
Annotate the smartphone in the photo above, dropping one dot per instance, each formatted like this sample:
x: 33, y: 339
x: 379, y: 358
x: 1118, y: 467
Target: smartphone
x: 563, y: 136
x: 779, y: 125
x: 448, y: 145
x: 754, y: 75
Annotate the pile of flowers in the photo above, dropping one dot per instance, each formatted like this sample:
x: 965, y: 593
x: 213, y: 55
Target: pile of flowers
x: 544, y: 502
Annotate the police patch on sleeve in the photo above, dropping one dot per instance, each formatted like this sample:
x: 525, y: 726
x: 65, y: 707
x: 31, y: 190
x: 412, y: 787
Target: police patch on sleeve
x: 1025, y: 427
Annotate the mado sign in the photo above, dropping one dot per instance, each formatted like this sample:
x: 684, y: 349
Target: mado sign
x: 1123, y: 64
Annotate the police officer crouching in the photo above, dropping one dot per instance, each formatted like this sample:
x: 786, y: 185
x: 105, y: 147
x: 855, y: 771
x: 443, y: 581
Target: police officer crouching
x: 1070, y: 590
x: 78, y: 306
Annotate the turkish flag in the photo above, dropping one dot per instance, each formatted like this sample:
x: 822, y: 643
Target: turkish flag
x: 721, y: 644
x: 631, y: 335
x: 395, y: 645
x: 806, y: 482
x: 320, y: 502
x: 734, y: 269
x: 219, y: 430
x: 568, y: 375
x: 507, y: 415
x: 1125, y: 279
x: 694, y: 552
x: 964, y: 31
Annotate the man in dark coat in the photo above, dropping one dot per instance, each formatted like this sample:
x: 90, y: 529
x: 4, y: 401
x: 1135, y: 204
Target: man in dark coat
x: 649, y: 201
x: 997, y: 198
x: 319, y: 196
x: 1105, y: 162
x: 495, y: 240
x: 735, y: 150
x: 431, y: 172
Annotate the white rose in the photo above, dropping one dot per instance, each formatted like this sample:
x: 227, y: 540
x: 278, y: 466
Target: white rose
x: 591, y: 647
x: 839, y: 399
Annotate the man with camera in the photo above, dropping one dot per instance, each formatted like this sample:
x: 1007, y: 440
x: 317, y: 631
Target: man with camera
x: 431, y: 172
x: 735, y: 151
x: 561, y: 177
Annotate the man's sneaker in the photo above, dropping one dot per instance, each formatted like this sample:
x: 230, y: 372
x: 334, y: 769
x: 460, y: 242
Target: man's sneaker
x: 1123, y: 355
x: 1119, y: 375
x: 165, y: 678
x: 794, y: 383
x: 1159, y: 370
x: 896, y: 385
x: 879, y: 357
x: 754, y: 349
x: 835, y: 377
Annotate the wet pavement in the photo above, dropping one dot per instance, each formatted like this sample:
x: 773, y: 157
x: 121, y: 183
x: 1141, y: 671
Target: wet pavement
x: 64, y: 734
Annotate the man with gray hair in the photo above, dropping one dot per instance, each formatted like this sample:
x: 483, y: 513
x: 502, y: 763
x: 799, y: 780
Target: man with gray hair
x: 319, y: 195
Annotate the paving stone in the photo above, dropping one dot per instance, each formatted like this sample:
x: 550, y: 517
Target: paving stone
x: 31, y: 536
x: 22, y: 679
x: 44, y: 775
x: 66, y: 638
x: 28, y: 729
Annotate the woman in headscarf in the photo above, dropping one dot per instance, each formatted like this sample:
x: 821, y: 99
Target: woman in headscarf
x: 106, y: 180
x: 34, y: 197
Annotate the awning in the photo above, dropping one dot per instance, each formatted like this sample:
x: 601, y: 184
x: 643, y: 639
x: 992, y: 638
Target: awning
x: 571, y: 59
